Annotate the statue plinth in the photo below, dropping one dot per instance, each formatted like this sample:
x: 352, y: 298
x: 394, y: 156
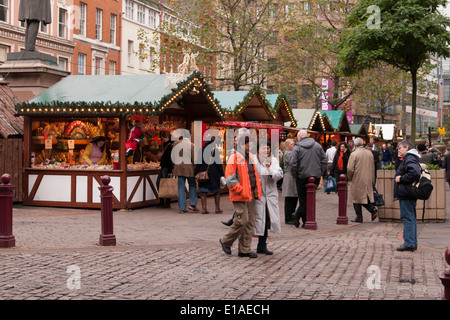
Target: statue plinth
x: 32, y: 55
x: 29, y: 73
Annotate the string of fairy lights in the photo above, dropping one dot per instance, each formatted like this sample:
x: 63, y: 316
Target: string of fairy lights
x: 194, y: 84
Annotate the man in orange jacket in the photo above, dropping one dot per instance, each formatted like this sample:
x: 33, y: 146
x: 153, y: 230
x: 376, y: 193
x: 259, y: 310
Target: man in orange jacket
x: 244, y: 187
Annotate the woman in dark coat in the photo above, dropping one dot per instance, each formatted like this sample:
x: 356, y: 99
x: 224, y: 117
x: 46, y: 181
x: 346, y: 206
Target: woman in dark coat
x: 340, y: 161
x: 215, y: 172
x: 166, y: 165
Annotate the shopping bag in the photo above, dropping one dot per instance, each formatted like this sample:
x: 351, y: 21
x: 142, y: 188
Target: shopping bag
x: 330, y: 185
x: 168, y: 188
x: 377, y: 198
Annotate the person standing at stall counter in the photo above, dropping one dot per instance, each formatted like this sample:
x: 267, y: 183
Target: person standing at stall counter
x: 95, y: 152
x: 244, y: 187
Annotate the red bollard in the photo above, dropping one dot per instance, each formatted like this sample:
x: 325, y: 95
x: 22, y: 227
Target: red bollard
x: 7, y: 239
x: 445, y: 276
x: 342, y: 192
x: 107, y: 237
x: 311, y: 204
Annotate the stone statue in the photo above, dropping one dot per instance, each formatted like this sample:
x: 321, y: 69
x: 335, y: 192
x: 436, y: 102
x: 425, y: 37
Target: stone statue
x: 33, y: 12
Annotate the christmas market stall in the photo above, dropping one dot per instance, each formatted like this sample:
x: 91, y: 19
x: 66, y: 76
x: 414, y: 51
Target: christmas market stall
x: 284, y: 115
x: 340, y: 126
x: 246, y: 109
x: 358, y: 130
x: 62, y: 124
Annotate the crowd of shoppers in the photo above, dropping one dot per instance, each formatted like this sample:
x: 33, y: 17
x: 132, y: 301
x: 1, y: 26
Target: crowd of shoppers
x: 256, y: 179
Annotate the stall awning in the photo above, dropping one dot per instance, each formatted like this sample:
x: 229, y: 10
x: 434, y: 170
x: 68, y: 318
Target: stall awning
x: 117, y: 95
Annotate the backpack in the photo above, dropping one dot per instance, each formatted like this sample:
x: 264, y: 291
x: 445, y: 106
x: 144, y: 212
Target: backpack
x: 422, y: 188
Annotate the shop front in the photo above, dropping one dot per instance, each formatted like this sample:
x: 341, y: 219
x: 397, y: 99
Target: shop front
x: 61, y: 124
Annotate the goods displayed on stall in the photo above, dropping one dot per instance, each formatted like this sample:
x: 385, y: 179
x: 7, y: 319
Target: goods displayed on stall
x: 60, y: 144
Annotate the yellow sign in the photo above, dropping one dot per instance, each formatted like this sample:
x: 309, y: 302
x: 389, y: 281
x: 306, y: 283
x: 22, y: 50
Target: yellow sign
x: 441, y: 131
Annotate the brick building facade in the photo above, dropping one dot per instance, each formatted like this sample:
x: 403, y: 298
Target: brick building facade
x: 97, y: 37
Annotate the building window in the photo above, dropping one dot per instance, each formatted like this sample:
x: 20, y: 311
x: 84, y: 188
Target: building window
x: 130, y: 52
x: 44, y: 28
x: 63, y: 63
x: 141, y: 14
x: 62, y: 18
x: 112, y: 30
x: 3, y: 53
x: 98, y: 24
x: 129, y: 9
x: 112, y: 68
x: 83, y: 7
x: 152, y: 19
x: 141, y: 55
x: 4, y: 9
x: 81, y: 64
x: 98, y: 66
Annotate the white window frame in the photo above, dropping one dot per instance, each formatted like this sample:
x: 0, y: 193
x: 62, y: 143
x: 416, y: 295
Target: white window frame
x: 6, y: 8
x: 62, y: 24
x: 112, y: 67
x: 129, y: 9
x: 82, y: 24
x: 140, y: 14
x: 83, y: 65
x: 113, y: 29
x: 152, y: 19
x: 98, y: 24
x: 130, y: 53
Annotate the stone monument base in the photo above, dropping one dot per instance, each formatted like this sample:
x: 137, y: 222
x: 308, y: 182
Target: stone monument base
x: 29, y: 73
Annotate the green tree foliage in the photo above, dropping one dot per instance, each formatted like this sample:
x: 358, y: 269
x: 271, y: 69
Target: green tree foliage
x: 401, y: 33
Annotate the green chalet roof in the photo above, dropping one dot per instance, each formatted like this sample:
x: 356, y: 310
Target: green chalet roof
x: 117, y: 95
x: 280, y: 104
x: 245, y: 104
x: 338, y: 119
x: 229, y: 100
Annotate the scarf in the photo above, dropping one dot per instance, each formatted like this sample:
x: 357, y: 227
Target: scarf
x: 341, y: 161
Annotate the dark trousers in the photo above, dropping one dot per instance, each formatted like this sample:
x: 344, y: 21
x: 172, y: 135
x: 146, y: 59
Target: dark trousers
x: 31, y: 31
x: 358, y: 209
x: 301, y: 191
x: 262, y: 240
x: 290, y: 204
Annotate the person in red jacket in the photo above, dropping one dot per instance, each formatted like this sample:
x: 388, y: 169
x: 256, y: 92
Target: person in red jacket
x: 244, y: 187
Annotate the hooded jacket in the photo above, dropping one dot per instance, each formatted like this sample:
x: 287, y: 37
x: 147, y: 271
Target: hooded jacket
x: 410, y: 171
x: 308, y: 159
x: 238, y: 179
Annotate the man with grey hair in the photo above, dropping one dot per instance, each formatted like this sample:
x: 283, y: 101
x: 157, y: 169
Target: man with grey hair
x: 361, y: 177
x: 307, y: 160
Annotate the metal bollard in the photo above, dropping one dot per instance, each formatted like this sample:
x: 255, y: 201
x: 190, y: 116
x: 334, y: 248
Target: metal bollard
x: 7, y: 239
x: 445, y: 276
x: 311, y: 204
x: 107, y: 237
x: 342, y: 192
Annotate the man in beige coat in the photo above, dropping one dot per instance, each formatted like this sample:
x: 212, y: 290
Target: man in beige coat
x: 183, y: 159
x: 361, y: 177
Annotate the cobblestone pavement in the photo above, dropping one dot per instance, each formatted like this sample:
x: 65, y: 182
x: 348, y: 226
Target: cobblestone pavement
x: 161, y: 254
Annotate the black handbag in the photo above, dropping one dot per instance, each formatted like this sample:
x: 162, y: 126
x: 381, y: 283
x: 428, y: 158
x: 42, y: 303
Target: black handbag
x: 377, y: 198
